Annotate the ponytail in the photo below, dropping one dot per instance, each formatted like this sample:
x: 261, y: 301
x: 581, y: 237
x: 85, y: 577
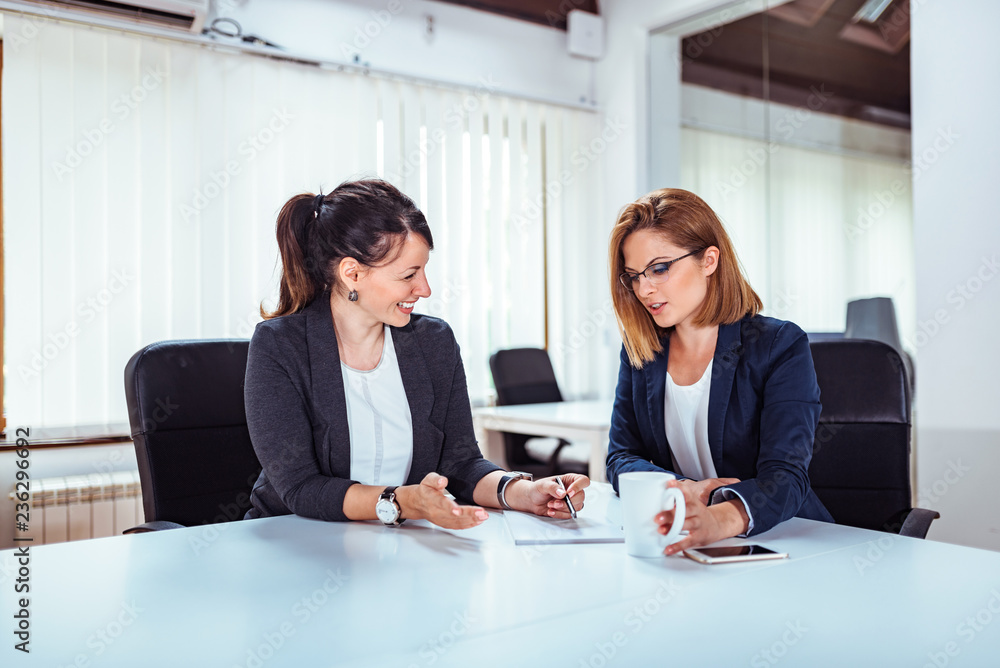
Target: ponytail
x: 299, y: 285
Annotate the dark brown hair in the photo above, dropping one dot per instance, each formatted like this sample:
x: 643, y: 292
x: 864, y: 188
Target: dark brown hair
x: 685, y: 220
x: 365, y: 220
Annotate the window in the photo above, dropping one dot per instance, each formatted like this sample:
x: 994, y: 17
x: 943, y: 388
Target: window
x: 150, y: 172
x: 815, y: 226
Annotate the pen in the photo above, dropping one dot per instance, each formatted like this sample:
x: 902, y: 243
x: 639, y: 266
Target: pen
x: 569, y: 504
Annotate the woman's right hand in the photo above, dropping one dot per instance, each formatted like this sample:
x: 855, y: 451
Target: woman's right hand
x: 427, y: 501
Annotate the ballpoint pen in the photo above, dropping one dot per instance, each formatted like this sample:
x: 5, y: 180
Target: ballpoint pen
x: 569, y: 504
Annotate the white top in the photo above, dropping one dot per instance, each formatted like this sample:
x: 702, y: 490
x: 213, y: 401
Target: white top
x: 686, y: 416
x: 378, y: 416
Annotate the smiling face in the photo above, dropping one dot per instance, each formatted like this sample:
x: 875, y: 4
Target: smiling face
x: 680, y: 297
x: 387, y: 293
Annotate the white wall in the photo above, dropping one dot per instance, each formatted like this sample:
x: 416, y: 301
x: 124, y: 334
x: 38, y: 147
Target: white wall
x: 955, y: 61
x: 467, y: 46
x: 957, y: 202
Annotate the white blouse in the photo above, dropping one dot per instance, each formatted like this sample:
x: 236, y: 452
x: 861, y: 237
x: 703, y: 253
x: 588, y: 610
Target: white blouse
x: 378, y: 415
x: 686, y: 417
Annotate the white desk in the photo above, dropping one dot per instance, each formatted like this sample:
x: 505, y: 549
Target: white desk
x: 573, y: 420
x: 289, y: 591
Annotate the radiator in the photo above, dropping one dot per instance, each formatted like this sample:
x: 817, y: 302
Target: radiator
x: 92, y: 505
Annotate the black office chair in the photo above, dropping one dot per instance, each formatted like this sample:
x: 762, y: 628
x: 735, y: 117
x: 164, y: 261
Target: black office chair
x: 189, y: 426
x: 525, y: 376
x: 861, y: 456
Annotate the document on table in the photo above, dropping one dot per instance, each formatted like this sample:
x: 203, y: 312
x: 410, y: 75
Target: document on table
x: 598, y: 522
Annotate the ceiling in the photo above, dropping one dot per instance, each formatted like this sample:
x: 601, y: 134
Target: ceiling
x: 810, y: 45
x: 546, y: 12
x: 866, y: 82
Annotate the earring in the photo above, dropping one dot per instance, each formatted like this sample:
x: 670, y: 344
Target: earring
x: 353, y: 295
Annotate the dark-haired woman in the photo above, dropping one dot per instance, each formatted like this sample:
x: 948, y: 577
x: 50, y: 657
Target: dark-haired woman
x: 357, y: 408
x: 723, y: 398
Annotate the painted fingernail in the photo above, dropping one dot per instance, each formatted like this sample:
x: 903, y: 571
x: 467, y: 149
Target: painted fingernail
x: 456, y: 512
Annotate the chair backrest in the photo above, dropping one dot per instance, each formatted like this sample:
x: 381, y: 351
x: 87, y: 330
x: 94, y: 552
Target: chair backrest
x: 188, y: 422
x: 524, y: 376
x: 861, y: 456
x: 874, y: 319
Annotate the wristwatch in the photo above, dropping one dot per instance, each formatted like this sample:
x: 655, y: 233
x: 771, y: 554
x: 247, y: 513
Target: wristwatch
x: 387, y: 508
x: 506, y: 480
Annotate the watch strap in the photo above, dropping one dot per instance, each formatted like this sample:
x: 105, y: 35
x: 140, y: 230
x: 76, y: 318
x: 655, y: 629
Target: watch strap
x: 389, y: 494
x: 505, y: 480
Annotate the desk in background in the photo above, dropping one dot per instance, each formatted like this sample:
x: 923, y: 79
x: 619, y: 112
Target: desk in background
x: 289, y: 591
x: 587, y: 421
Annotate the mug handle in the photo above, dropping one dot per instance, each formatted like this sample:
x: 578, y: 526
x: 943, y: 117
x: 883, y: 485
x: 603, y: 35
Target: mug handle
x: 674, y: 534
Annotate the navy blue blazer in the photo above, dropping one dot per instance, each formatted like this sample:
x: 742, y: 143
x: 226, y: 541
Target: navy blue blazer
x: 763, y: 409
x: 297, y: 412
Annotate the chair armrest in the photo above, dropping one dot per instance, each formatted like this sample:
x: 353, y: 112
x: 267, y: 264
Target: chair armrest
x: 554, y: 459
x: 917, y: 522
x: 157, y: 525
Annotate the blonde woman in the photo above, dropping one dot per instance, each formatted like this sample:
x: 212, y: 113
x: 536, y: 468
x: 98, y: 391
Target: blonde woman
x: 709, y: 390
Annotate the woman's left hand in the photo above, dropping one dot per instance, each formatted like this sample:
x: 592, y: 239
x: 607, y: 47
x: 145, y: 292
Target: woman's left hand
x: 704, y: 524
x: 546, y: 497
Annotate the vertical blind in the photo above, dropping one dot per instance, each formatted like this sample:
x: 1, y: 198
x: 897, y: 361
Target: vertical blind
x: 829, y: 228
x: 143, y: 176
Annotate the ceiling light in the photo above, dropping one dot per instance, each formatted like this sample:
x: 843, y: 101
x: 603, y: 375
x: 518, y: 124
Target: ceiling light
x: 871, y: 11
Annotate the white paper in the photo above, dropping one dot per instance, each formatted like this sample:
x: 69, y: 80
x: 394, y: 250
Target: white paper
x: 598, y: 522
x: 534, y: 530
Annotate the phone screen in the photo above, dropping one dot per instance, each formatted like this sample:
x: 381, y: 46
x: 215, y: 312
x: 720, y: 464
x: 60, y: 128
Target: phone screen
x: 736, y: 551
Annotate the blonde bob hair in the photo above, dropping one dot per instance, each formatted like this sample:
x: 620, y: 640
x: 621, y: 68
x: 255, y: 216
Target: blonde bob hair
x: 685, y: 220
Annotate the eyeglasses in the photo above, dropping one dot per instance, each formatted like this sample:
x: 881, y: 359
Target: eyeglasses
x: 658, y: 272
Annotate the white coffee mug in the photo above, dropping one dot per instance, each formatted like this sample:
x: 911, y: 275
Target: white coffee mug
x: 645, y: 495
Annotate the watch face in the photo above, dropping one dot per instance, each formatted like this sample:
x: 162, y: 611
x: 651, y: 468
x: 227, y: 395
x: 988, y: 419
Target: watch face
x: 385, y: 510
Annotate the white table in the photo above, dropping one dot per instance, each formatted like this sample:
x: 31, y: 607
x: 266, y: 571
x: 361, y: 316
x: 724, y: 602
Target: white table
x: 573, y: 420
x: 289, y: 591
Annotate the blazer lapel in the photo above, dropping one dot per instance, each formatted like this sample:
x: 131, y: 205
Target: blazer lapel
x: 656, y: 388
x: 728, y: 348
x: 327, y: 379
x: 420, y: 396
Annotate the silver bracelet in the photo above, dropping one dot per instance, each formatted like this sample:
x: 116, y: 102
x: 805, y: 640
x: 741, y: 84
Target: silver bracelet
x: 506, y: 480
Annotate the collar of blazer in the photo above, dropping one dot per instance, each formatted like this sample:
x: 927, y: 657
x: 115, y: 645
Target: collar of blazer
x: 327, y: 382
x: 728, y: 348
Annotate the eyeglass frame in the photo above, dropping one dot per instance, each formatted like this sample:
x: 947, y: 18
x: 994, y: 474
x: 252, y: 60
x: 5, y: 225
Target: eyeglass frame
x: 634, y: 276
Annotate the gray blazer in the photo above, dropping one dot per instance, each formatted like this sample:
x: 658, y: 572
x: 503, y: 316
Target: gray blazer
x: 297, y: 412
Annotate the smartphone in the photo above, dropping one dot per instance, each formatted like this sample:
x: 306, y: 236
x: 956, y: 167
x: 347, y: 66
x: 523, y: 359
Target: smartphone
x: 727, y: 555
